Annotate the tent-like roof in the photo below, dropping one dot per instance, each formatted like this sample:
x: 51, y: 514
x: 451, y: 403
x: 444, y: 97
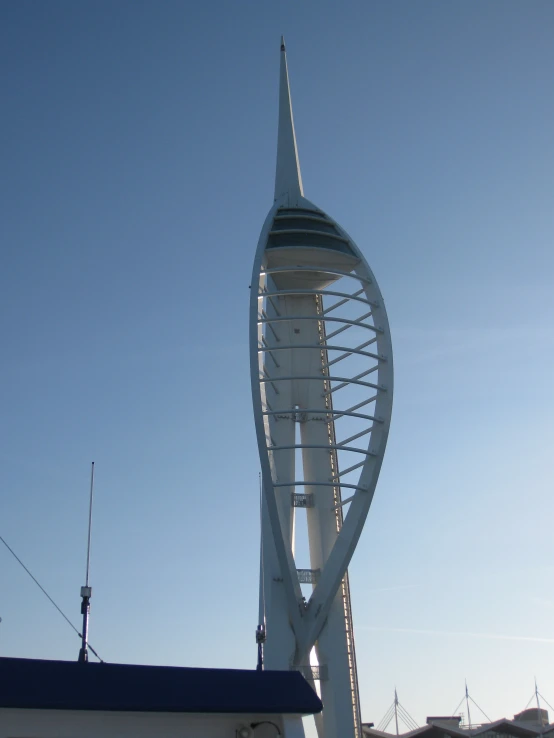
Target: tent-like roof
x: 68, y: 685
x: 436, y: 728
x: 516, y: 728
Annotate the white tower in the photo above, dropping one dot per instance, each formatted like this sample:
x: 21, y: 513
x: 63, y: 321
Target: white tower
x: 321, y: 366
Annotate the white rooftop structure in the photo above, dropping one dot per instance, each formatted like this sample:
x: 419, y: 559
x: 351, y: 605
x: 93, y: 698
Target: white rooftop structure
x: 529, y: 723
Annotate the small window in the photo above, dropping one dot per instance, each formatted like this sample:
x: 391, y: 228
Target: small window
x: 301, y: 211
x: 290, y: 224
x: 287, y: 239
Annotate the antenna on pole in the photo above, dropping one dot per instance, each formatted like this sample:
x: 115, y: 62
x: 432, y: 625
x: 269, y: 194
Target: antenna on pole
x: 86, y: 591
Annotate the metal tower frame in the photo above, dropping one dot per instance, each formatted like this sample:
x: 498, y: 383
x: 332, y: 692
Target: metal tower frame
x: 322, y: 382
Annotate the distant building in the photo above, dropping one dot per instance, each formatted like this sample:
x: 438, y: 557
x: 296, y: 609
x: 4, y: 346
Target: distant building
x: 66, y: 699
x: 527, y: 724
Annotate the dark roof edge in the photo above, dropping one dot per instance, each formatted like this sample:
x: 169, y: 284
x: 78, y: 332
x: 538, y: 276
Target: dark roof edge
x: 69, y: 685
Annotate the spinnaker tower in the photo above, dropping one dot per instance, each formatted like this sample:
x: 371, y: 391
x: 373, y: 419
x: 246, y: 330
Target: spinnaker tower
x: 322, y: 384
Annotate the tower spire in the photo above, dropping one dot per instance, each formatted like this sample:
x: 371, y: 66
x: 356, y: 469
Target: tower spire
x: 288, y: 179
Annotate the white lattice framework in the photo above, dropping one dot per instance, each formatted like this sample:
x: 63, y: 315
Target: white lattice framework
x: 322, y: 380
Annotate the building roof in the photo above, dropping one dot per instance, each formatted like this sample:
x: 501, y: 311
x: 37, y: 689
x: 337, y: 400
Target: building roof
x: 511, y: 727
x: 441, y: 726
x: 68, y: 685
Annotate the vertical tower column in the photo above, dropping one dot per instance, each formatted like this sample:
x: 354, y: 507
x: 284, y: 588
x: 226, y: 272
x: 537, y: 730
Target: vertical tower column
x: 338, y: 683
x: 280, y: 433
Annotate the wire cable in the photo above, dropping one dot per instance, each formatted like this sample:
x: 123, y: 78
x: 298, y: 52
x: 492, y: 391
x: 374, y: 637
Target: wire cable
x: 385, y: 720
x: 39, y: 585
x: 458, y: 706
x: 406, y: 718
x: 531, y: 700
x: 545, y: 700
x: 403, y: 714
x: 480, y: 708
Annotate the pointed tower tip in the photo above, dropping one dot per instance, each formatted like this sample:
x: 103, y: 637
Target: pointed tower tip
x: 288, y: 180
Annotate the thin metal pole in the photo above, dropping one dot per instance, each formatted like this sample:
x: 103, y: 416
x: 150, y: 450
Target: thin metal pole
x: 86, y: 591
x: 539, y: 715
x: 90, y: 520
x: 396, y: 709
x: 468, y: 712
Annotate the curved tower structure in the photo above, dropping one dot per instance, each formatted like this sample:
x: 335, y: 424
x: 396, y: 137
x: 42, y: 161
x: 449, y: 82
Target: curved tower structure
x: 322, y: 380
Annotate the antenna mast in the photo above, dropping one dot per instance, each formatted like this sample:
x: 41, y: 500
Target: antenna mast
x: 468, y: 712
x: 86, y: 591
x: 539, y: 714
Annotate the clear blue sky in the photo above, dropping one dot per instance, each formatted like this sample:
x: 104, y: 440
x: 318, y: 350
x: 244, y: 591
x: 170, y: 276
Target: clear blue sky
x: 138, y: 152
